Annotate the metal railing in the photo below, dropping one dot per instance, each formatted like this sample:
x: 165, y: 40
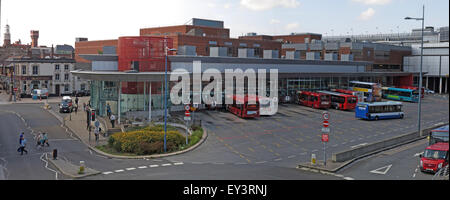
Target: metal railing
x: 442, y: 174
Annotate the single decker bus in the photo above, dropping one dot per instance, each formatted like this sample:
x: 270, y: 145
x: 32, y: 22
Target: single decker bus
x: 341, y: 101
x: 401, y: 94
x: 242, y: 108
x: 438, y: 135
x: 314, y: 99
x: 379, y: 110
x: 372, y: 91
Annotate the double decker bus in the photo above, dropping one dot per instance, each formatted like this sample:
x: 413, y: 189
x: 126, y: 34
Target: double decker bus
x: 372, y: 91
x: 242, y: 108
x: 341, y: 101
x: 314, y: 99
x: 379, y: 110
x: 268, y: 106
x: 400, y: 94
x: 438, y: 135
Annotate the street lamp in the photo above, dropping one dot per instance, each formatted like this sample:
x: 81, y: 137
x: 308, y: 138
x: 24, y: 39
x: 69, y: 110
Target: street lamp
x: 166, y: 49
x: 421, y: 64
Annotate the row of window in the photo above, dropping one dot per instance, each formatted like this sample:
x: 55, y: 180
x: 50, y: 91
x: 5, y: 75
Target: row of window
x: 385, y: 109
x: 36, y: 69
x: 66, y: 77
x: 231, y: 44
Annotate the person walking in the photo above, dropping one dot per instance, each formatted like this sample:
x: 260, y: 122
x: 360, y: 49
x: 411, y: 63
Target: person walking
x: 21, y: 137
x: 113, y: 120
x: 39, y: 141
x: 45, y: 140
x: 108, y: 110
x: 23, y: 144
x: 96, y: 133
x: 76, y: 101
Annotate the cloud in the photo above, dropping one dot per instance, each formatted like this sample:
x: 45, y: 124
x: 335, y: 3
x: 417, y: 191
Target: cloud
x: 292, y: 26
x: 274, y: 21
x: 373, y: 2
x: 366, y: 15
x: 211, y: 5
x: 226, y: 6
x: 260, y: 5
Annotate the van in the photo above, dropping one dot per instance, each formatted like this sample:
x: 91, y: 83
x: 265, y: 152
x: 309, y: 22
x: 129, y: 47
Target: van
x: 66, y: 105
x: 434, y: 158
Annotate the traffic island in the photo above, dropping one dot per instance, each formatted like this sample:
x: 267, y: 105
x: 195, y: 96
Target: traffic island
x: 344, y: 158
x: 72, y: 170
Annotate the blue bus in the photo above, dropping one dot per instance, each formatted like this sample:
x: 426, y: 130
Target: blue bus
x: 438, y: 135
x: 401, y: 94
x: 379, y: 110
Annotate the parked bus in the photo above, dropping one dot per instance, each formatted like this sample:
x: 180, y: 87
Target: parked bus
x: 379, y: 110
x: 268, y: 106
x: 341, y: 101
x: 401, y: 94
x: 438, y: 135
x: 414, y: 88
x: 314, y: 99
x: 241, y: 108
x: 372, y: 91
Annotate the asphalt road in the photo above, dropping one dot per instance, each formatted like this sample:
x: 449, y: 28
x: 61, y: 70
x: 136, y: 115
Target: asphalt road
x: 264, y: 148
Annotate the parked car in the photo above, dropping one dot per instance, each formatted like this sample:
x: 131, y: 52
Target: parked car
x: 66, y: 105
x: 428, y: 91
x: 434, y: 158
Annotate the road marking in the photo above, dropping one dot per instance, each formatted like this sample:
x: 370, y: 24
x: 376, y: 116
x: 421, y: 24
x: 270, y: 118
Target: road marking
x: 278, y: 159
x: 359, y: 145
x: 154, y: 166
x: 251, y: 149
x: 142, y: 167
x: 178, y: 163
x: 167, y: 164
x: 293, y: 156
x: 119, y: 170
x: 130, y: 169
x: 386, y: 169
x: 418, y: 154
x: 106, y: 173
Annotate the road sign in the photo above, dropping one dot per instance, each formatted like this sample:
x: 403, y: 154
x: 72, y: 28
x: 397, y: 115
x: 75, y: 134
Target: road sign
x: 325, y: 115
x: 187, y: 113
x: 326, y: 124
x: 15, y: 89
x: 325, y: 130
x: 187, y: 107
x: 325, y: 138
x: 187, y: 118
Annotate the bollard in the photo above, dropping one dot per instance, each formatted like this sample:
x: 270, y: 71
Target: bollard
x: 313, y: 159
x: 55, y: 154
x: 82, y: 166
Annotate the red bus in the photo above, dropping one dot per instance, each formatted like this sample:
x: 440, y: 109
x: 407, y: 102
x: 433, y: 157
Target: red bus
x: 413, y: 88
x: 341, y: 101
x: 241, y: 108
x: 350, y: 92
x: 314, y: 99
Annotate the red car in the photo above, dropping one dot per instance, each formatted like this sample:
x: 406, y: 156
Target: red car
x: 434, y: 158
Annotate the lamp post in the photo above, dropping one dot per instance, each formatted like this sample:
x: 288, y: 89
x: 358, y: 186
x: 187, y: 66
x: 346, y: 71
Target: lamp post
x: 421, y: 64
x: 166, y: 49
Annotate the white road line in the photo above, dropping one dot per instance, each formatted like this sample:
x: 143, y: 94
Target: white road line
x: 198, y: 163
x: 314, y: 150
x: 130, y: 169
x: 216, y: 163
x: 142, y: 167
x: 119, y: 170
x: 106, y: 173
x: 178, y: 163
x: 278, y: 159
x: 293, y: 156
x: 167, y: 164
x: 154, y: 166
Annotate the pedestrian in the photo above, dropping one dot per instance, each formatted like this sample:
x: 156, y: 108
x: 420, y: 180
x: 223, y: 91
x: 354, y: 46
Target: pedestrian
x: 108, y: 110
x: 76, y: 100
x: 96, y: 133
x: 76, y: 109
x: 21, y: 137
x: 84, y: 107
x: 45, y: 140
x: 38, y: 140
x: 23, y: 144
x: 113, y: 120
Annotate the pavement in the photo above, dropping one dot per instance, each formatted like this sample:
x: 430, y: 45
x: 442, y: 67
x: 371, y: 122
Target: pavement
x: 69, y: 169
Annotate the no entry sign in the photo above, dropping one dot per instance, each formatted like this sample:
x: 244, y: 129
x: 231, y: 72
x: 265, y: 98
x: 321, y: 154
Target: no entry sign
x: 326, y: 124
x: 187, y: 114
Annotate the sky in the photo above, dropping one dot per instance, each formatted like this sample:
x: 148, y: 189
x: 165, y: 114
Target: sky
x: 61, y: 21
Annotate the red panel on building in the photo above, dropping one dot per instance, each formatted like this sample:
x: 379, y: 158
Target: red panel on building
x: 143, y: 54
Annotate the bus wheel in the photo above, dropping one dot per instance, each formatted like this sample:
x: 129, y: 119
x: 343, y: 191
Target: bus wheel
x: 401, y: 116
x: 376, y: 118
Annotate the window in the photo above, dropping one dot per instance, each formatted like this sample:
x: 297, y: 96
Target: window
x: 66, y: 67
x: 56, y: 67
x: 83, y: 86
x: 66, y: 77
x: 35, y: 70
x: 243, y: 44
x: 256, y: 45
x: 228, y: 43
x: 66, y: 88
x: 24, y: 69
x: 213, y: 42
